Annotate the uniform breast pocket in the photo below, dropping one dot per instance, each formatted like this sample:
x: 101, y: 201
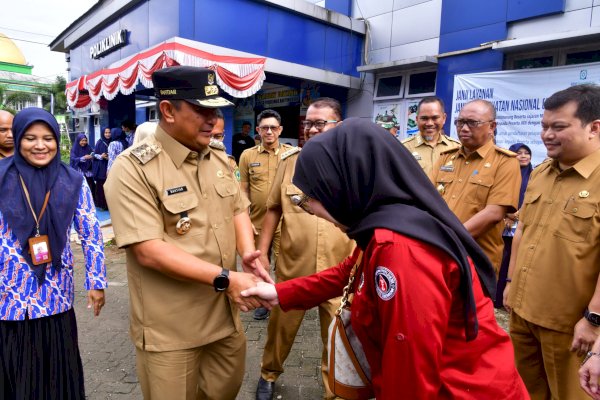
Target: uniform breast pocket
x: 479, y: 188
x: 576, y: 220
x: 226, y: 192
x: 178, y: 207
x: 256, y: 175
x: 530, y: 202
x: 290, y: 191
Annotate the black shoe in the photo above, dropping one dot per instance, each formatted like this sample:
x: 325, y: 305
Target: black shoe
x: 261, y: 313
x: 264, y: 390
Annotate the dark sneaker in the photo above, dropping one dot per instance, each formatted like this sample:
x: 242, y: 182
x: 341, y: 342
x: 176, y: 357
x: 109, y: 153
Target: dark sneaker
x: 261, y: 313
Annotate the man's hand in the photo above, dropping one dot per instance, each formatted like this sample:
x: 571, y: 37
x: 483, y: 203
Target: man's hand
x: 252, y: 264
x: 265, y: 291
x: 238, y: 281
x: 584, y: 336
x: 96, y: 300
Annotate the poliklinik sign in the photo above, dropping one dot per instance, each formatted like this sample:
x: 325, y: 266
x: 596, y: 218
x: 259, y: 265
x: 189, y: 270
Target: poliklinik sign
x: 108, y: 44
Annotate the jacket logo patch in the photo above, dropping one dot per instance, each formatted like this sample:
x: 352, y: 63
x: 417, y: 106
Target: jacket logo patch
x: 385, y: 283
x: 176, y: 190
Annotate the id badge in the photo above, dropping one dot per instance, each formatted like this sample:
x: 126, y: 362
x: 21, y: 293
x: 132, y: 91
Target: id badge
x: 39, y: 248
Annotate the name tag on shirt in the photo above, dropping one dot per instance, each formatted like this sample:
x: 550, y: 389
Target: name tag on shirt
x: 176, y: 190
x: 254, y: 164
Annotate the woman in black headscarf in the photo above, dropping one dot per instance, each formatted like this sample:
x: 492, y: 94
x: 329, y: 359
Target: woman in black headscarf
x: 510, y: 220
x: 41, y: 198
x: 420, y: 308
x: 100, y: 167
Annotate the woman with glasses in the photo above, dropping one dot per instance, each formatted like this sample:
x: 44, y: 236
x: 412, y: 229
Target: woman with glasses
x: 511, y: 219
x: 421, y: 306
x: 41, y: 199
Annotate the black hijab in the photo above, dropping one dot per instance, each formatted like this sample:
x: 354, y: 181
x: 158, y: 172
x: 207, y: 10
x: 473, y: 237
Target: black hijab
x: 366, y: 179
x: 63, y: 182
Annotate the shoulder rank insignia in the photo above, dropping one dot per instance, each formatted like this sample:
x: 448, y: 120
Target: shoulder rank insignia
x: 505, y: 151
x: 451, y: 139
x: 408, y: 139
x: 450, y: 150
x: 145, y: 152
x: 215, y: 144
x: 290, y: 152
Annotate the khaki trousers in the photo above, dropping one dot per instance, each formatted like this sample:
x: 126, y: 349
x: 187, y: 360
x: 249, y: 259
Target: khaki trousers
x: 214, y: 371
x: 281, y: 332
x: 544, y: 361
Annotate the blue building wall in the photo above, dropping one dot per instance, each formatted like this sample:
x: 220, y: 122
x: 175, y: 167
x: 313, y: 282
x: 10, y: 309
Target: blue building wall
x: 467, y: 24
x: 247, y: 25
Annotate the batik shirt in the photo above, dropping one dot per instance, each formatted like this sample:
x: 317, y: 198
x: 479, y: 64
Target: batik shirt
x: 22, y: 294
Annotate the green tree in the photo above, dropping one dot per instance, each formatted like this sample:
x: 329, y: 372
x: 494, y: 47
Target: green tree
x: 60, y: 99
x: 9, y: 100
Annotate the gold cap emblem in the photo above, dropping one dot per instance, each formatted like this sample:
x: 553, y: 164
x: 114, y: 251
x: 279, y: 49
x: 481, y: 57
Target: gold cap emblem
x: 211, y: 79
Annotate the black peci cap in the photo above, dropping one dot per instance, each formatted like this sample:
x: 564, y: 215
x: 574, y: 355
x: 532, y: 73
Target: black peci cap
x: 193, y: 84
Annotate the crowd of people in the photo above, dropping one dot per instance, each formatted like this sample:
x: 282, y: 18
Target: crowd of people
x: 437, y: 231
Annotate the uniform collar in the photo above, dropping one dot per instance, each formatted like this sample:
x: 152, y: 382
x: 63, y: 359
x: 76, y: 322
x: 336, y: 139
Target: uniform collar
x: 481, y: 152
x: 585, y: 166
x: 262, y: 149
x: 177, y: 152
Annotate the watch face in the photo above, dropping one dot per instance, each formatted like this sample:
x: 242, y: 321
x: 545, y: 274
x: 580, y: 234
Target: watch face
x: 221, y: 283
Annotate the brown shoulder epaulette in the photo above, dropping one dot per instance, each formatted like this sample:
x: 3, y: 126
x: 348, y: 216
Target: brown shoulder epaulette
x: 290, y: 152
x: 505, y: 151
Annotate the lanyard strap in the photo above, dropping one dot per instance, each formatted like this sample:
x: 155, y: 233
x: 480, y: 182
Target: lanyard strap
x: 35, y: 217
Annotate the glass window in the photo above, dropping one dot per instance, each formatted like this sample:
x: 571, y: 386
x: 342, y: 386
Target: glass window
x: 389, y: 86
x: 534, y: 62
x: 583, y: 57
x: 422, y: 83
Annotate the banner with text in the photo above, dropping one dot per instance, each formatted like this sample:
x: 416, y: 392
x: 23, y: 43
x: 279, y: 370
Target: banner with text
x: 519, y: 96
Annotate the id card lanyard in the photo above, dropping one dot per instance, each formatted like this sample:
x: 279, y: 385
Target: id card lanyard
x: 39, y: 246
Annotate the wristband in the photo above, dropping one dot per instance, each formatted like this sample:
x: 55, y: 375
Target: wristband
x: 589, y: 355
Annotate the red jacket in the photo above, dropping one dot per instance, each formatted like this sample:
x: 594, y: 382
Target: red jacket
x: 408, y: 314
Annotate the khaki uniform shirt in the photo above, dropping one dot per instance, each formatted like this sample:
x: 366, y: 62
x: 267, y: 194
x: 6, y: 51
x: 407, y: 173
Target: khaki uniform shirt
x: 308, y: 244
x: 490, y: 175
x: 257, y: 168
x: 149, y: 188
x: 559, y: 254
x: 426, y: 154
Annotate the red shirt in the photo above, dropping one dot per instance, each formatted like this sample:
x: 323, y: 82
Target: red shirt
x: 408, y: 314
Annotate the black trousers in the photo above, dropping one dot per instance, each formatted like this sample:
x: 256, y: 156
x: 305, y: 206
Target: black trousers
x: 39, y: 359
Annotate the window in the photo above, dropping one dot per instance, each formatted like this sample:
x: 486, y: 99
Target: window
x: 421, y: 84
x: 96, y: 121
x: 389, y: 87
x: 405, y: 84
x: 534, y: 62
x: 152, y: 114
x: 582, y: 57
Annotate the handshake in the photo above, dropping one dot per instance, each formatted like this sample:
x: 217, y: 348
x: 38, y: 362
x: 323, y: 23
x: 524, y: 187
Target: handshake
x: 254, y: 287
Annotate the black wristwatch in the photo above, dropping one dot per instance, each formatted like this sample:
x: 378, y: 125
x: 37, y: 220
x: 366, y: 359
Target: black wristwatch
x: 592, y: 317
x: 221, y: 282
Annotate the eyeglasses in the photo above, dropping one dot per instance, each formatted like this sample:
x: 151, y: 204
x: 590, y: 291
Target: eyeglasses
x: 265, y: 128
x: 318, y: 124
x: 459, y: 123
x: 301, y: 200
x: 218, y: 136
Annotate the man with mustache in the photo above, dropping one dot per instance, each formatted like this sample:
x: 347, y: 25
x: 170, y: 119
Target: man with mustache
x: 479, y: 180
x: 7, y: 146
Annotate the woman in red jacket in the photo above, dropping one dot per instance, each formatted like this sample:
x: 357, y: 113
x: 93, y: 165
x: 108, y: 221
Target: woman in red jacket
x: 421, y: 307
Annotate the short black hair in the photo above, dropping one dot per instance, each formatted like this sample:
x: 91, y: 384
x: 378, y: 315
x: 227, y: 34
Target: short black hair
x: 328, y: 102
x: 246, y: 123
x: 268, y: 113
x: 586, y: 97
x: 219, y: 114
x: 431, y: 99
x: 128, y: 124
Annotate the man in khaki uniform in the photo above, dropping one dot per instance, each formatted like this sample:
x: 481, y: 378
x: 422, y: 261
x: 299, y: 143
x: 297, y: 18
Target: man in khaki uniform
x: 479, y: 180
x: 7, y: 145
x: 555, y: 262
x: 258, y: 166
x: 308, y: 245
x: 218, y: 135
x: 427, y: 145
x: 176, y: 207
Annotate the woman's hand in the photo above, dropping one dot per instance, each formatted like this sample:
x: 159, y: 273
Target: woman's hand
x: 96, y: 299
x: 265, y: 291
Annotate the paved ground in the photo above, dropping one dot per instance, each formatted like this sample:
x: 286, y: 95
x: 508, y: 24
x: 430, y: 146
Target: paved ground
x: 109, y: 357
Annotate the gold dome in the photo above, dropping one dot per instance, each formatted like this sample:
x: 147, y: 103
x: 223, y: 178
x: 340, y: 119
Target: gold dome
x: 9, y: 52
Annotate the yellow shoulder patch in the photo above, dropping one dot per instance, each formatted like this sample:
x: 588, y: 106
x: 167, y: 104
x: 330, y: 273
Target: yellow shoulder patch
x: 145, y: 152
x: 290, y: 152
x: 505, y: 151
